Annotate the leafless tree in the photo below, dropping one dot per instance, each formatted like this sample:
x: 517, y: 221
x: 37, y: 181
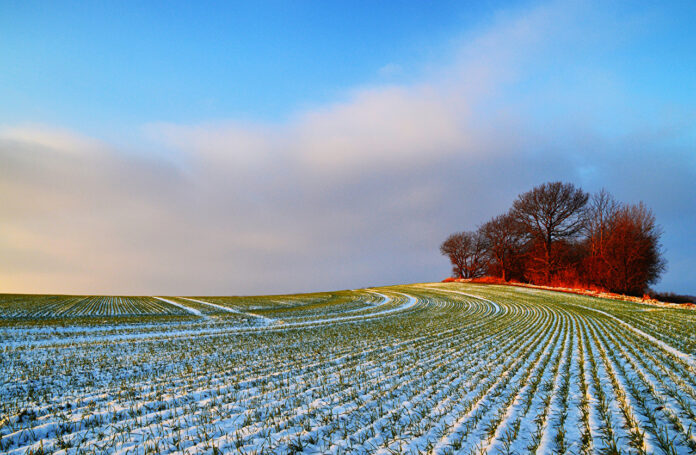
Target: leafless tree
x: 467, y: 253
x: 622, y: 242
x: 548, y: 213
x: 552, y: 235
x: 632, y: 257
x: 600, y: 213
x: 503, y: 239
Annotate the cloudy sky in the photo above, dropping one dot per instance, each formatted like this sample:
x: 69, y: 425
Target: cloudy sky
x: 266, y: 147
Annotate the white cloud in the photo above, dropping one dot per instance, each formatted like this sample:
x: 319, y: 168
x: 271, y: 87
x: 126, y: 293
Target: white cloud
x: 57, y: 139
x: 391, y: 126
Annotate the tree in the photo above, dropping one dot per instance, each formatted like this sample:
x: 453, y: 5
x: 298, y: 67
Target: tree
x: 622, y: 243
x: 632, y: 255
x: 599, y: 216
x: 503, y: 239
x: 467, y: 253
x: 549, y: 213
x: 552, y: 235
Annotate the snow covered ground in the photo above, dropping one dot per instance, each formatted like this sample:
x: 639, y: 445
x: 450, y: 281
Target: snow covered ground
x: 430, y: 368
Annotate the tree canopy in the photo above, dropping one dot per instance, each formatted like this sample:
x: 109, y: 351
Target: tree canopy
x: 557, y: 234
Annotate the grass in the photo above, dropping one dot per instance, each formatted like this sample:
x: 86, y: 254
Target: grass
x: 432, y: 368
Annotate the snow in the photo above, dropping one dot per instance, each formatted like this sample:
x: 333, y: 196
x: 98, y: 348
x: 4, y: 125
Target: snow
x: 686, y: 357
x: 183, y: 307
x: 426, y: 369
x: 495, y: 305
x: 230, y: 310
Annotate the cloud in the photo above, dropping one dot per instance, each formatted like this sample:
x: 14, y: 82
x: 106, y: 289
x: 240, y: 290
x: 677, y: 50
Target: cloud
x: 390, y: 126
x: 357, y: 192
x: 385, y: 126
x: 58, y: 140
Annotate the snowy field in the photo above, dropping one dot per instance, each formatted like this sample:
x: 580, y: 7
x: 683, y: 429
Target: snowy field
x: 431, y: 368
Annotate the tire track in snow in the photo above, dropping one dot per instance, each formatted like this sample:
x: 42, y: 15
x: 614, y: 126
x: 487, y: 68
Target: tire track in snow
x: 412, y: 301
x: 183, y: 307
x: 274, y: 325
x: 231, y: 310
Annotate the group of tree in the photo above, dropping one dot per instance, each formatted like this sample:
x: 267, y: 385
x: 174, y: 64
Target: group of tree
x: 557, y: 234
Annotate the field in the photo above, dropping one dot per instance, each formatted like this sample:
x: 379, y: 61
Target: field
x: 428, y: 368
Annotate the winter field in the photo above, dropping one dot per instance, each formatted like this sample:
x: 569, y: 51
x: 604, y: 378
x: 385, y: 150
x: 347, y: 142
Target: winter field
x: 429, y: 368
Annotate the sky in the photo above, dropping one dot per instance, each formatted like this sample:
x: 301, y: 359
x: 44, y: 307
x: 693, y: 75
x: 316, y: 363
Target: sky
x: 201, y: 148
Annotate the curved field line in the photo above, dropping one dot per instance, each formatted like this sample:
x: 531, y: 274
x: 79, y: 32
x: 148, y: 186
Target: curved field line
x: 183, y: 307
x: 230, y: 310
x: 495, y: 305
x: 276, y: 325
x: 686, y: 357
x: 427, y: 369
x: 384, y: 301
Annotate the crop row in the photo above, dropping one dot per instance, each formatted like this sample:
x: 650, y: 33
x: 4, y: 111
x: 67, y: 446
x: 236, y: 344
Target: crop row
x: 409, y: 369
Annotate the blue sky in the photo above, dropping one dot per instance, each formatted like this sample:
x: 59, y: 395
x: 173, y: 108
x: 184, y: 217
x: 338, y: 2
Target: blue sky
x: 130, y: 62
x: 197, y: 147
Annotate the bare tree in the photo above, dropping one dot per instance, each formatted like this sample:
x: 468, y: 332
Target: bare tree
x: 599, y: 216
x: 600, y: 211
x: 632, y: 256
x: 549, y: 213
x: 503, y: 239
x: 540, y: 240
x: 467, y: 253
